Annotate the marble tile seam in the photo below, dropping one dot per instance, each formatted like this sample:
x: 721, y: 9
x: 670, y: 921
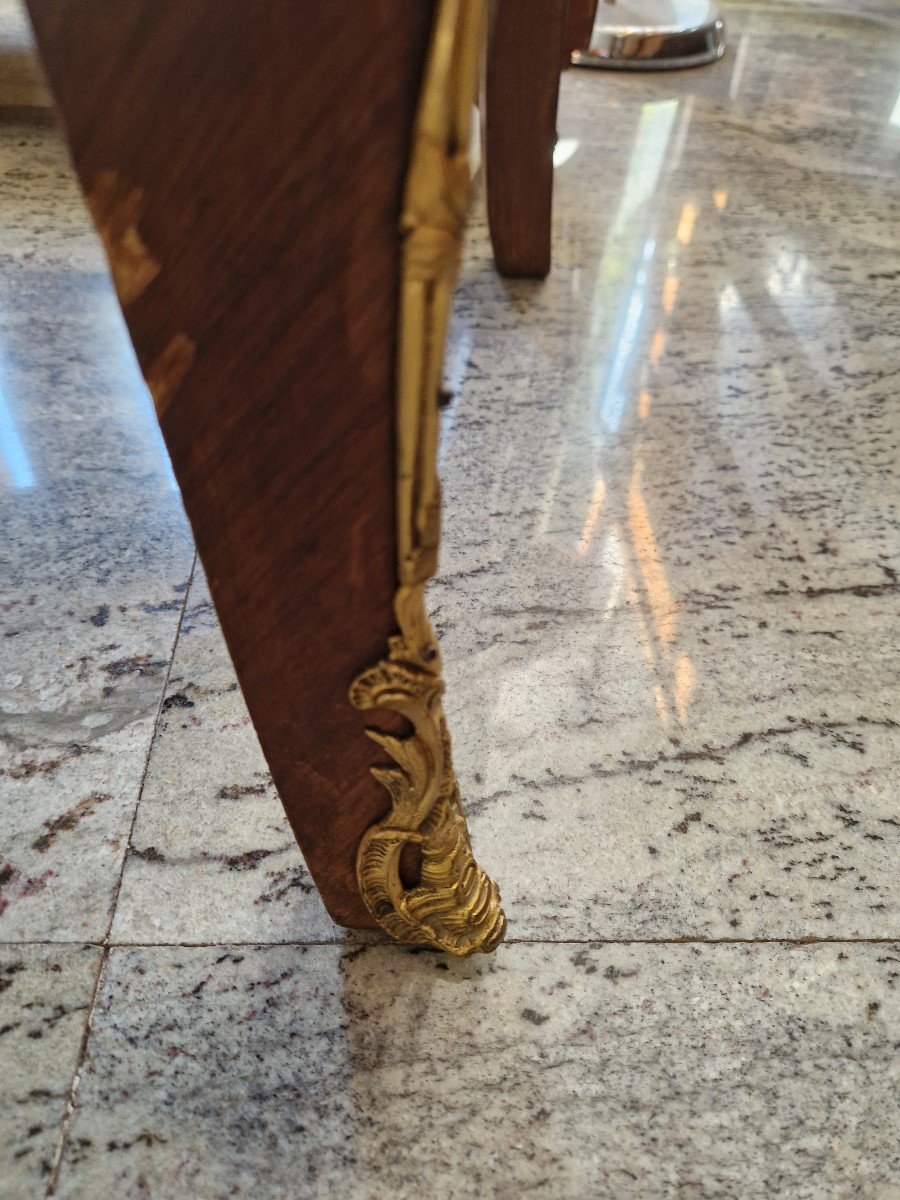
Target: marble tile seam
x: 62, y: 1137
x: 65, y: 1120
x: 151, y: 743
x: 350, y: 944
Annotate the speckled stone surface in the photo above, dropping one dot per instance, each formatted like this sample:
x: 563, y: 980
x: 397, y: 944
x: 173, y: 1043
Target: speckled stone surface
x: 212, y: 857
x: 669, y: 577
x: 748, y: 787
x: 668, y: 600
x: 45, y: 994
x: 566, y: 1071
x: 95, y: 555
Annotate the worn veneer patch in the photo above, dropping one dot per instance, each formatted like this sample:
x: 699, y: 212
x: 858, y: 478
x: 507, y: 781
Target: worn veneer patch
x: 168, y: 369
x: 116, y: 207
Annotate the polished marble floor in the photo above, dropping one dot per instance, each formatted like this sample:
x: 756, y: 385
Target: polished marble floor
x: 669, y: 602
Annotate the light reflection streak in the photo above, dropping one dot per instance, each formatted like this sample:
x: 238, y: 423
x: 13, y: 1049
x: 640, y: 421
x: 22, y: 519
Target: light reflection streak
x: 647, y: 554
x: 630, y: 247
x: 684, y: 685
x: 13, y: 449
x: 592, y: 517
x: 620, y: 308
x: 740, y: 62
x: 673, y: 672
x: 614, y: 395
x: 669, y: 293
x: 728, y: 299
x: 646, y: 639
x: 686, y: 104
x: 563, y: 150
x: 647, y: 591
x: 686, y: 222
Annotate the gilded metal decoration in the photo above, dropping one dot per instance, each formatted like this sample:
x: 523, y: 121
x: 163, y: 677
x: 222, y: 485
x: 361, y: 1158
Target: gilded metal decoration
x: 453, y: 905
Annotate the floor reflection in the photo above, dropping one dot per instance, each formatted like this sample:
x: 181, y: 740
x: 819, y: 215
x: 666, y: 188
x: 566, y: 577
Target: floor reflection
x: 17, y: 471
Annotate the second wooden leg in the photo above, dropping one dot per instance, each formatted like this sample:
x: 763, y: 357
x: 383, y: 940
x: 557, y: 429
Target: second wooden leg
x: 521, y: 92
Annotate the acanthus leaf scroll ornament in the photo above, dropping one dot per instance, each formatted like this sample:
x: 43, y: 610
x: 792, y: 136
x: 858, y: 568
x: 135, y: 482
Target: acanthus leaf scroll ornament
x: 453, y: 905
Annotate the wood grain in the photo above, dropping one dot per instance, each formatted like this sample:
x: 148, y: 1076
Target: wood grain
x: 245, y: 165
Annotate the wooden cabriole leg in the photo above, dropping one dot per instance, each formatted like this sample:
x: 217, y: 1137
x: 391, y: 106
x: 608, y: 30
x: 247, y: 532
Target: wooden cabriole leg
x: 520, y: 99
x: 247, y: 167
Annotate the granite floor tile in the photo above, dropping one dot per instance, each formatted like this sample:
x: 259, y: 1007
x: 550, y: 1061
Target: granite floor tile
x: 668, y: 587
x: 45, y: 992
x: 212, y: 856
x: 693, y: 419
x: 95, y: 557
x: 571, y: 1072
x: 668, y: 602
x: 45, y: 222
x: 728, y: 496
x: 716, y: 345
x: 665, y: 773
x: 799, y: 87
x: 722, y: 769
x: 90, y: 606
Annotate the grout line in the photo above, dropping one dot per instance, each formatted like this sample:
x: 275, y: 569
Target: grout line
x: 140, y: 793
x: 599, y: 940
x: 76, y: 1078
x: 105, y: 944
x: 806, y: 940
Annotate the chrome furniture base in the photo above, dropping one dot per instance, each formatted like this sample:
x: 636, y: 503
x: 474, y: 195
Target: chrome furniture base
x: 653, y: 35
